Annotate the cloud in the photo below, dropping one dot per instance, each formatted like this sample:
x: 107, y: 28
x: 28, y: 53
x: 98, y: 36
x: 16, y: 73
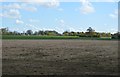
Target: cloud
x: 32, y: 26
x: 52, y: 3
x: 12, y: 13
x: 114, y: 14
x: 65, y: 25
x: 23, y: 6
x: 2, y: 0
x: 86, y: 7
x: 34, y: 1
x: 28, y: 7
x: 105, y: 0
x: 45, y: 3
x: 32, y: 9
x: 59, y: 0
x: 11, y: 6
x: 19, y: 21
x: 113, y: 30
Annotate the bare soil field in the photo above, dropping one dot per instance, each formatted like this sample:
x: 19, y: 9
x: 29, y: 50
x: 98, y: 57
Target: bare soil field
x: 59, y: 57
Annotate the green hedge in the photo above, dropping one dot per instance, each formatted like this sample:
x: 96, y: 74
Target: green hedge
x: 33, y: 37
x: 38, y: 37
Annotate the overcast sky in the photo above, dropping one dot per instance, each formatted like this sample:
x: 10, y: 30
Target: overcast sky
x: 60, y: 16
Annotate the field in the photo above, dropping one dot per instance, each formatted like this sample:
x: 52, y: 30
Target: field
x: 60, y: 57
x: 37, y: 37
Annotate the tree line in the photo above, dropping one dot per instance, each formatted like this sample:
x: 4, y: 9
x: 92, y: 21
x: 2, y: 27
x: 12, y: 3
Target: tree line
x: 89, y: 33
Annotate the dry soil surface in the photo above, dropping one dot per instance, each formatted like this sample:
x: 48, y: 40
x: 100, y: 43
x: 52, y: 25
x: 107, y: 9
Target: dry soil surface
x: 59, y: 57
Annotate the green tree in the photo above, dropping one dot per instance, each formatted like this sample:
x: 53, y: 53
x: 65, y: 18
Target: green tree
x: 41, y: 32
x: 4, y: 31
x: 29, y: 32
x: 90, y: 30
x: 108, y: 34
x: 66, y: 33
x: 82, y: 34
x: 35, y: 33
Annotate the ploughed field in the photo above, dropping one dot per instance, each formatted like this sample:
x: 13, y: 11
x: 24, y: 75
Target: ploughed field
x: 59, y: 57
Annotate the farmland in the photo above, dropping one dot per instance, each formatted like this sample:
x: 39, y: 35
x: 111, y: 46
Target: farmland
x: 36, y: 37
x: 60, y: 57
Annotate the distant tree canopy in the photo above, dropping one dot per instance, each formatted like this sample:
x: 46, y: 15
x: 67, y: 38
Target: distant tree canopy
x: 90, y: 30
x: 4, y: 31
x: 116, y: 35
x: 89, y: 33
x: 29, y: 32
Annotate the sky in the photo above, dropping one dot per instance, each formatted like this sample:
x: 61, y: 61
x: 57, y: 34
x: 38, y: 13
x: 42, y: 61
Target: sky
x: 60, y: 16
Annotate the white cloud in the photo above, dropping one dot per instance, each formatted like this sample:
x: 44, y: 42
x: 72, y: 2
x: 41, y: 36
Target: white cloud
x: 114, y: 14
x: 32, y: 9
x: 47, y: 3
x: 53, y: 3
x: 23, y: 6
x: 70, y: 29
x: 12, y: 13
x: 105, y: 0
x: 113, y: 30
x: 26, y: 6
x: 36, y: 1
x: 60, y: 30
x: 86, y: 7
x: 65, y: 25
x: 32, y: 26
x: 11, y: 6
x: 2, y: 0
x: 19, y: 21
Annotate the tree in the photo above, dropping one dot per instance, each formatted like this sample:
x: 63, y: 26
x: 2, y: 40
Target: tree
x: 29, y: 32
x: 72, y: 33
x: 97, y: 34
x: 15, y: 33
x: 116, y: 35
x: 108, y: 34
x: 41, y: 32
x: 66, y: 33
x: 90, y: 30
x: 103, y: 34
x: 81, y: 34
x: 4, y: 31
x: 52, y: 33
x: 35, y: 33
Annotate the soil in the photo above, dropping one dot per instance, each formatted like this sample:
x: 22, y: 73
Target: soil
x: 59, y: 57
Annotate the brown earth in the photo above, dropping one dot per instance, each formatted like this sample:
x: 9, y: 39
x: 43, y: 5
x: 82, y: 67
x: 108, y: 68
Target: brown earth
x: 59, y: 57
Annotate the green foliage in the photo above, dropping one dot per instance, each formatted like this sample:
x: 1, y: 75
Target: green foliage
x: 37, y: 37
x: 116, y: 36
x: 90, y: 30
x: 29, y: 34
x: 4, y: 31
